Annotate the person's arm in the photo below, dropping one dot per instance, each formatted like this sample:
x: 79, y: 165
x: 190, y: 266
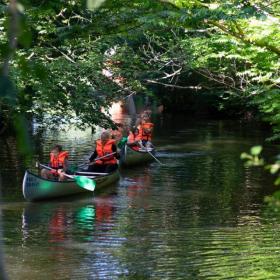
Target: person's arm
x: 114, y: 149
x: 50, y: 163
x: 93, y: 156
x: 130, y: 140
x: 65, y: 165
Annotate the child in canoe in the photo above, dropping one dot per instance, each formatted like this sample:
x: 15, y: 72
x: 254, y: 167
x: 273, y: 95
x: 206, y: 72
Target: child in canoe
x: 134, y: 139
x: 58, y: 162
x: 145, y: 131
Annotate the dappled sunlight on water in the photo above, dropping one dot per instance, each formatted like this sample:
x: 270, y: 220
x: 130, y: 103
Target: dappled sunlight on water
x: 201, y: 215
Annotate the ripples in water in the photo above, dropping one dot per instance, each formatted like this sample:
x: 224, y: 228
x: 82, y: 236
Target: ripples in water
x: 199, y: 216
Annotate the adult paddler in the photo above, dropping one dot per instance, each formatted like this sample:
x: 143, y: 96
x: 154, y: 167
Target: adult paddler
x: 58, y: 163
x: 104, y: 146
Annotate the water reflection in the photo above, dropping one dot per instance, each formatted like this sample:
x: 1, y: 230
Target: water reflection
x: 85, y: 219
x: 74, y: 233
x: 63, y: 221
x: 137, y: 190
x: 200, y: 216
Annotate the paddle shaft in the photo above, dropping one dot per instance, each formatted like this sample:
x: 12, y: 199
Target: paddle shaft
x: 91, y: 173
x: 75, y: 178
x: 97, y: 159
x: 103, y: 157
x: 154, y: 157
x: 49, y: 168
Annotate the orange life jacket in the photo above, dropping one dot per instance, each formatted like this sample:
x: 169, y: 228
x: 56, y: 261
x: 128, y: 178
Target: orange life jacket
x: 105, y: 150
x: 57, y: 162
x: 144, y: 135
x: 132, y: 138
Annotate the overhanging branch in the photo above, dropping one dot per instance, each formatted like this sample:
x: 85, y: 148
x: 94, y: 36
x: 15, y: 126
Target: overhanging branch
x: 173, y: 86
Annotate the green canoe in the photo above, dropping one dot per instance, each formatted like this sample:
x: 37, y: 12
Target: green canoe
x: 130, y: 157
x: 35, y: 187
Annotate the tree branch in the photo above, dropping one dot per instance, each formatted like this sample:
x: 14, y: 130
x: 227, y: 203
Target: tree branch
x: 64, y: 54
x: 173, y: 86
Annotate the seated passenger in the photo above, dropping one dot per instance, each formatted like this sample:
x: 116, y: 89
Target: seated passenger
x: 145, y: 131
x: 133, y: 139
x: 104, y: 146
x: 58, y: 163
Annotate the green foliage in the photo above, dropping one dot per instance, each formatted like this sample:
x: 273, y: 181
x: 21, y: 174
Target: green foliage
x: 269, y: 105
x: 226, y: 49
x: 94, y: 4
x: 273, y: 201
x: 253, y: 158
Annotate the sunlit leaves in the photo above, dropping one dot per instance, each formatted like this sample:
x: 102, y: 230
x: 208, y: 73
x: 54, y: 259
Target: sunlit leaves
x: 94, y: 4
x: 64, y: 58
x: 253, y: 158
x: 256, y: 150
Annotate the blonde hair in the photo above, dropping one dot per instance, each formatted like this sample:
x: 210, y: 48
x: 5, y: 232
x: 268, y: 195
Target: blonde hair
x: 105, y: 135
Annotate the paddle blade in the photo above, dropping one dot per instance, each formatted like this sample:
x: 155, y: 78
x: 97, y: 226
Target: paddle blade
x: 85, y: 183
x: 122, y: 142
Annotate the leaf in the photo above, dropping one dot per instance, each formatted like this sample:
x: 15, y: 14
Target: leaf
x: 245, y: 156
x: 256, y: 150
x: 94, y: 4
x: 277, y: 181
x: 274, y: 168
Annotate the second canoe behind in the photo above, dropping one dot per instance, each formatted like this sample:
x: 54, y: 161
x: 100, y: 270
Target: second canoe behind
x: 131, y: 157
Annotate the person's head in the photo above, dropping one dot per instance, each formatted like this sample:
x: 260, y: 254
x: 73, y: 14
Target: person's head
x: 56, y: 149
x: 105, y: 136
x: 145, y: 117
x: 135, y: 130
x: 148, y: 112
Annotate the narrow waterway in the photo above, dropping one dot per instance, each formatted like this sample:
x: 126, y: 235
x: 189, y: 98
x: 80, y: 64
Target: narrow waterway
x: 201, y: 215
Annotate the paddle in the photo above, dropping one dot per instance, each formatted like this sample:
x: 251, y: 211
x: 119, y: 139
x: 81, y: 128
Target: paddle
x: 154, y: 157
x: 91, y: 163
x: 81, y: 181
x: 122, y: 142
x: 147, y: 150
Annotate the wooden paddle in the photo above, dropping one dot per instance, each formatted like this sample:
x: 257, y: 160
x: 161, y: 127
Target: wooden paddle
x: 82, y: 181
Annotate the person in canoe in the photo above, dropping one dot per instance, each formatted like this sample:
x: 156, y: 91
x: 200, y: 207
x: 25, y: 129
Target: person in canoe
x: 134, y: 140
x: 146, y: 114
x: 58, y: 163
x: 106, y: 150
x: 145, y: 131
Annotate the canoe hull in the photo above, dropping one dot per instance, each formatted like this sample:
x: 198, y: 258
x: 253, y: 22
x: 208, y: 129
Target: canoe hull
x: 130, y: 157
x: 36, y: 188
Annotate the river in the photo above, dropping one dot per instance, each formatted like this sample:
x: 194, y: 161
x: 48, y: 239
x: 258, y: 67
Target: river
x: 201, y: 215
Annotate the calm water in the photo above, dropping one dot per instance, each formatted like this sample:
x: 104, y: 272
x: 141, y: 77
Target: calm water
x: 199, y: 216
